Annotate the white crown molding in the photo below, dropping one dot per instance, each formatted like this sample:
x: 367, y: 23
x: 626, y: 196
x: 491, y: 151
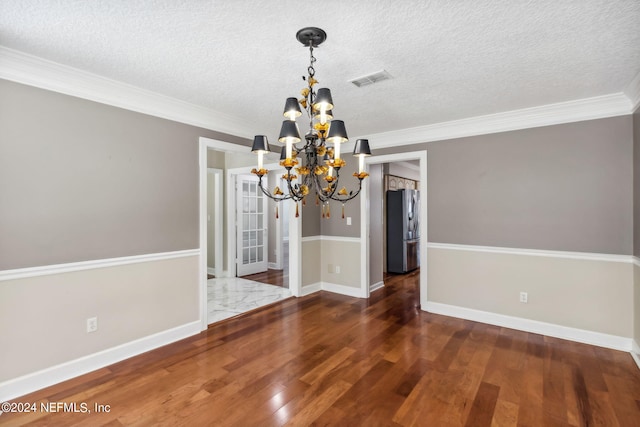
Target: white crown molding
x: 534, y: 326
x: 534, y: 252
x: 599, y: 107
x: 34, y: 71
x: 632, y: 91
x: 23, y: 273
x: 38, y: 380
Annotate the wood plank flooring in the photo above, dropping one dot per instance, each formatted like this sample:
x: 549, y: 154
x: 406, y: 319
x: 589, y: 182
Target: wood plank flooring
x: 327, y: 359
x: 270, y: 277
x: 274, y: 277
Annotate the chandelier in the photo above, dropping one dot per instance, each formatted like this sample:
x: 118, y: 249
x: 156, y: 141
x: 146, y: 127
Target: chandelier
x: 315, y: 166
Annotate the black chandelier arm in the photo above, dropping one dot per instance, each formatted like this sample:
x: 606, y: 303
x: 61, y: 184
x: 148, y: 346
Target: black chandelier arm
x: 351, y: 195
x: 294, y: 193
x: 326, y: 196
x: 322, y: 195
x: 271, y: 196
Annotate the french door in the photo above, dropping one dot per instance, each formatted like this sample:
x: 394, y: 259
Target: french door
x: 251, y: 225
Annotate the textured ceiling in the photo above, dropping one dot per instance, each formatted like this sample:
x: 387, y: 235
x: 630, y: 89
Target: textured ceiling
x: 449, y: 59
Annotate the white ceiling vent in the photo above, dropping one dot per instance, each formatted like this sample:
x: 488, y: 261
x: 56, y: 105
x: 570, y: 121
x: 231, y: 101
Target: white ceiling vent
x: 370, y: 79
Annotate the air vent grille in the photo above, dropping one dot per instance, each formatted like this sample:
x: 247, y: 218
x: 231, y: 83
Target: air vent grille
x: 371, y: 78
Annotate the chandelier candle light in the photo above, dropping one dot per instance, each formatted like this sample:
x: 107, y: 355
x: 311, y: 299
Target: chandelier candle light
x: 319, y: 166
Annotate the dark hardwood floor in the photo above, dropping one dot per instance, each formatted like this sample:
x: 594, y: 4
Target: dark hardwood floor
x: 274, y: 277
x: 270, y: 277
x: 327, y: 359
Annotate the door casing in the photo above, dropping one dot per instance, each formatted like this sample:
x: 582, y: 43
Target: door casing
x: 295, y: 224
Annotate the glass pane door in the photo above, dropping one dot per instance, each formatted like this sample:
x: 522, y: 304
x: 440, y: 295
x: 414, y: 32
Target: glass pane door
x: 252, y: 226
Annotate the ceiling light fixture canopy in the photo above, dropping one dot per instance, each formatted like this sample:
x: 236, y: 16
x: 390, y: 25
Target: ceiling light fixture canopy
x: 318, y: 162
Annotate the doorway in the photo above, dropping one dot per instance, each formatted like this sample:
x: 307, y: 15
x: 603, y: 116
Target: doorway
x: 228, y: 211
x: 277, y: 218
x: 370, y: 246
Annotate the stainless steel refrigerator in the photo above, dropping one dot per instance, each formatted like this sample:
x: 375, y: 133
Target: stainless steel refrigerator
x: 403, y: 230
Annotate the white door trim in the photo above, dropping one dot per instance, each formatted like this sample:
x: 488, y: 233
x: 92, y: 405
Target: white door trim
x: 421, y: 156
x: 295, y: 274
x: 295, y: 231
x: 217, y: 219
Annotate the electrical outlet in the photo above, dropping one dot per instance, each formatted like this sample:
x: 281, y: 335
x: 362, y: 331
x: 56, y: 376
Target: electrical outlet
x: 524, y: 297
x: 348, y: 220
x: 92, y: 324
x: 337, y: 269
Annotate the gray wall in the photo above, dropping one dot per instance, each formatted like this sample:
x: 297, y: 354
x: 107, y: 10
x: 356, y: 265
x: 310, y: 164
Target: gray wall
x: 636, y: 224
x: 313, y: 224
x: 335, y: 225
x: 271, y: 219
x: 311, y: 217
x: 636, y: 184
x: 565, y: 187
x: 215, y: 159
x: 211, y: 217
x: 377, y: 259
x: 399, y: 169
x: 81, y: 180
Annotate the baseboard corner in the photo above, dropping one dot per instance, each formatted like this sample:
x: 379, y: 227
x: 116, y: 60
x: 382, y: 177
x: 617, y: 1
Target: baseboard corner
x: 343, y: 290
x: 376, y: 286
x: 311, y: 289
x: 635, y: 352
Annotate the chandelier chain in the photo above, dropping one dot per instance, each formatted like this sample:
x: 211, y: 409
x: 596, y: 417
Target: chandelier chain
x: 312, y: 60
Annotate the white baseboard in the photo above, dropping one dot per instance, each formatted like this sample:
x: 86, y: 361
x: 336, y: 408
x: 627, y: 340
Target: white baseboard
x: 343, y: 290
x: 211, y: 271
x: 376, y: 286
x: 274, y: 266
x: 332, y: 287
x: 573, y: 334
x: 635, y: 352
x: 29, y: 383
x: 310, y: 289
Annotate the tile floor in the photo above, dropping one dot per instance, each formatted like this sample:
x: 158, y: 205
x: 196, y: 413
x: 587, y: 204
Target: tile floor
x: 230, y: 296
